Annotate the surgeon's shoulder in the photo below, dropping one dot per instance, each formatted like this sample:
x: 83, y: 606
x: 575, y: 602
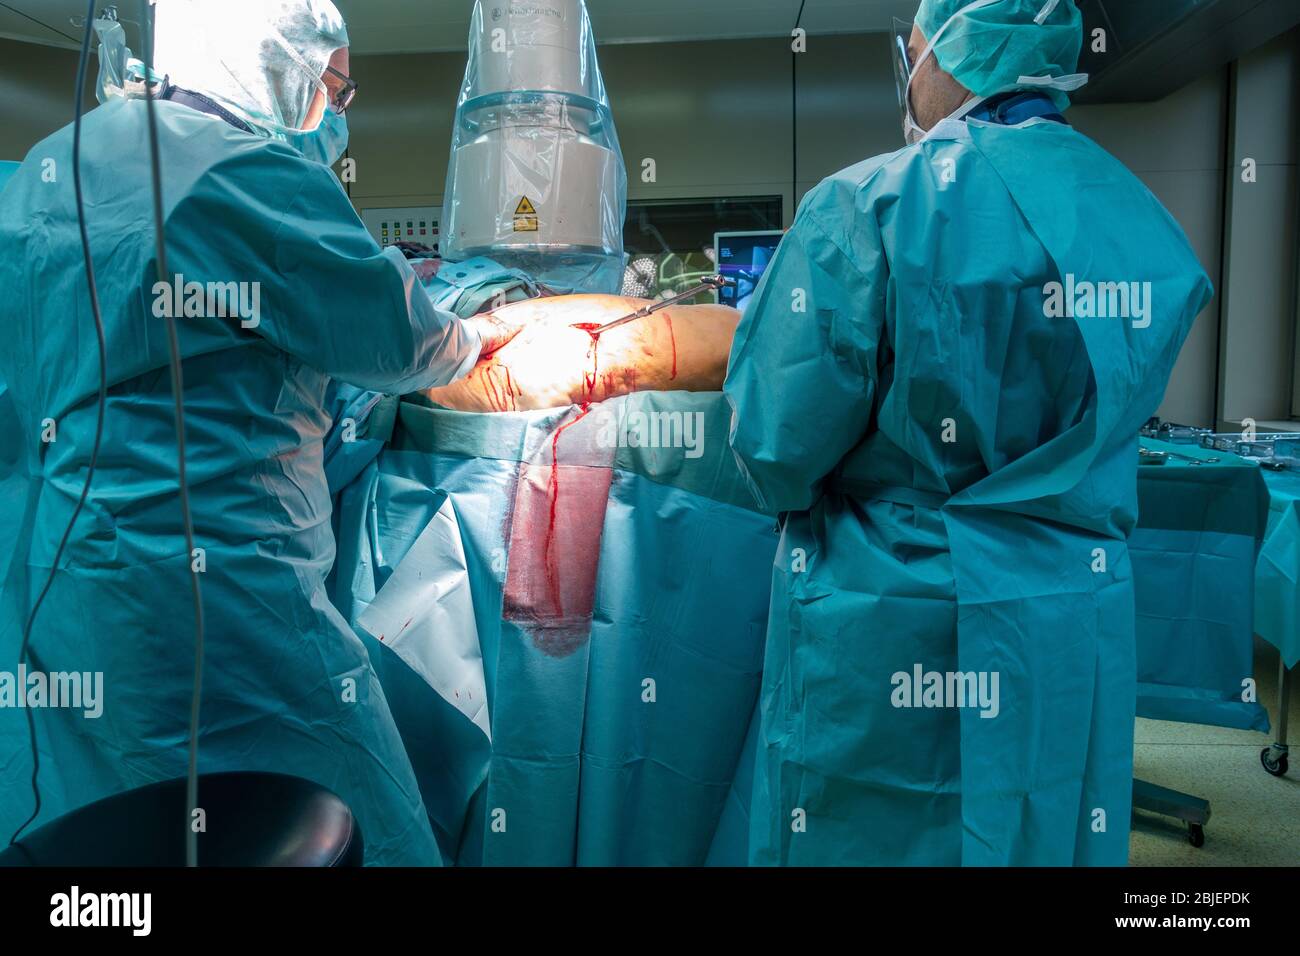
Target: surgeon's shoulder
x: 267, y: 167
x: 847, y: 182
x: 843, y: 205
x: 264, y: 180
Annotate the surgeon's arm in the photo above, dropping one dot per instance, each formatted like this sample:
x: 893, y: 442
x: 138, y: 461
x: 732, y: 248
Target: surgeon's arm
x: 802, y: 376
x: 330, y: 296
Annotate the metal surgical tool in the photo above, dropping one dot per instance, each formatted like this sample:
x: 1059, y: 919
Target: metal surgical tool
x: 1149, y: 453
x: 709, y: 284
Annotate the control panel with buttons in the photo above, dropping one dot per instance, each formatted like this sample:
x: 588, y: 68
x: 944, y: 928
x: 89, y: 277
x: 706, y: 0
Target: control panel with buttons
x: 411, y: 224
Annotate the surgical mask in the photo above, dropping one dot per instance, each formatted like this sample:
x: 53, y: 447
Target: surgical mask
x: 327, y: 143
x: 905, y: 71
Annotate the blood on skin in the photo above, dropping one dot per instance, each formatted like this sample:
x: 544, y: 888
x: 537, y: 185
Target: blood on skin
x: 490, y: 389
x: 502, y: 396
x: 593, y: 353
x: 673, y: 336
x: 609, y: 378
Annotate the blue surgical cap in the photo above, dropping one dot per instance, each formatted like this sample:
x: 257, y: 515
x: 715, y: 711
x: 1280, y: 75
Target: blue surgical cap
x: 991, y: 45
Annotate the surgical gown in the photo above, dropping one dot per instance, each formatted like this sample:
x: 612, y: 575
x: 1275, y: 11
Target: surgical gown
x: 957, y: 475
x: 11, y: 483
x: 288, y: 686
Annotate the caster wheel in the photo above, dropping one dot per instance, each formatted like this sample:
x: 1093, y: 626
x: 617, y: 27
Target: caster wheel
x: 1196, y: 835
x: 1278, y: 767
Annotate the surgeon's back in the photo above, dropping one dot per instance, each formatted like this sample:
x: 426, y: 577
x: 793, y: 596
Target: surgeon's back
x: 952, y: 449
x: 50, y: 356
x: 238, y: 209
x: 980, y: 365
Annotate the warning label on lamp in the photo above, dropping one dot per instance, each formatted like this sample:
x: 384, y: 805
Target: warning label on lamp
x: 526, y: 216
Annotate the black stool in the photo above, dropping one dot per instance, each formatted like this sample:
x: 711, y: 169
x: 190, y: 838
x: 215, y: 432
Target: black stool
x: 253, y: 819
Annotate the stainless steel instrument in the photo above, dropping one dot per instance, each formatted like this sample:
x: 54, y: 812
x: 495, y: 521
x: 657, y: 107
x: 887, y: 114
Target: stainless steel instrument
x: 710, y: 284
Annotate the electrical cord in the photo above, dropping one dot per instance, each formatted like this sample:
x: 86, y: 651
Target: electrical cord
x: 178, y: 389
x: 102, y: 404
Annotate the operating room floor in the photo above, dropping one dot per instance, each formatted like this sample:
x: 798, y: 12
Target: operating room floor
x: 1254, y: 817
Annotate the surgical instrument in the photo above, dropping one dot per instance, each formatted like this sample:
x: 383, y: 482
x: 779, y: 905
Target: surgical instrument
x: 1149, y: 453
x: 709, y: 284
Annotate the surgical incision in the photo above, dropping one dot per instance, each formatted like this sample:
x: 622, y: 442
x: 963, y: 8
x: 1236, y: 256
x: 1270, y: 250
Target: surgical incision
x: 558, y: 359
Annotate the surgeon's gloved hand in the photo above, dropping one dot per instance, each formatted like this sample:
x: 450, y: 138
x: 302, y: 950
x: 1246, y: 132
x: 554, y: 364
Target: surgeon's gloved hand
x: 426, y: 269
x: 495, y: 330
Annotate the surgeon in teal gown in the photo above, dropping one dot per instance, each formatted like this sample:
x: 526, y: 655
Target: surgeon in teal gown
x: 288, y: 686
x: 11, y: 483
x: 949, y: 441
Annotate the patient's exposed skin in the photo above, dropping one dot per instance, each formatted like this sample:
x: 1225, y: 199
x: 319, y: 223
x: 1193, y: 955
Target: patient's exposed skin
x: 551, y: 364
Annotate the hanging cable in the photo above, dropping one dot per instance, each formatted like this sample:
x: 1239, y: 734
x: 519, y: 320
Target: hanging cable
x: 178, y: 389
x: 78, y: 100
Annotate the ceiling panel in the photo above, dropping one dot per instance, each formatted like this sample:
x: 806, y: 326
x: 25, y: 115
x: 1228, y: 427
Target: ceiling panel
x: 412, y: 26
x: 15, y: 26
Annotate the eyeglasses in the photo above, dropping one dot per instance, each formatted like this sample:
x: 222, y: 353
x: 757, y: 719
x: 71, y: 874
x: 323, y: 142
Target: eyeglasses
x: 344, y: 97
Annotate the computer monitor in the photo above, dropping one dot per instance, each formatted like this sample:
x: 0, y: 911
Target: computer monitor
x: 743, y: 257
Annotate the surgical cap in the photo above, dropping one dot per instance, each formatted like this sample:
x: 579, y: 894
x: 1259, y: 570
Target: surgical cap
x: 261, y: 59
x: 990, y: 47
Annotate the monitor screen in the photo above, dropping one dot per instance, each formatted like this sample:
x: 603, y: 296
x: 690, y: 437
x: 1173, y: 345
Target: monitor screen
x: 743, y: 258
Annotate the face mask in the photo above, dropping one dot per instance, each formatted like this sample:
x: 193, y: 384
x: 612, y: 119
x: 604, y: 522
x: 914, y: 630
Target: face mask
x: 327, y: 143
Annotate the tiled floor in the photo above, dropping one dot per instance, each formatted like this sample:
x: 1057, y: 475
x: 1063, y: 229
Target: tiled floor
x: 1254, y: 817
